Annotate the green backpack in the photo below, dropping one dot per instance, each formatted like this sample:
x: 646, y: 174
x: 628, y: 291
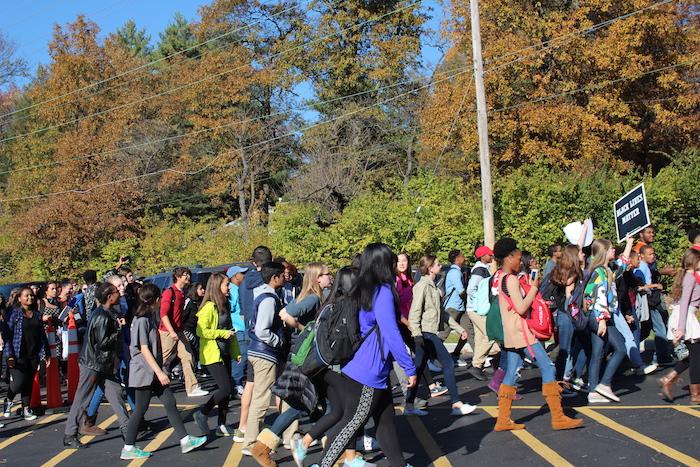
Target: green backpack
x: 494, y: 323
x: 306, y: 344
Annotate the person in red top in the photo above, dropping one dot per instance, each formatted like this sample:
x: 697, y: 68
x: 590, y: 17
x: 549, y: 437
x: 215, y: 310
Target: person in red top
x: 172, y: 338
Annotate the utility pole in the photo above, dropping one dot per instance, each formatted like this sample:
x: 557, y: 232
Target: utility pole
x: 482, y: 125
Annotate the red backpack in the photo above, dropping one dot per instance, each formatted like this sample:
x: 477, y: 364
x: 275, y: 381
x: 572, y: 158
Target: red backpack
x: 539, y: 318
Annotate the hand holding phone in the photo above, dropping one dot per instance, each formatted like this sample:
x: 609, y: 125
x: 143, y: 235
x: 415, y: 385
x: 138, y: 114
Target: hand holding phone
x: 534, y: 274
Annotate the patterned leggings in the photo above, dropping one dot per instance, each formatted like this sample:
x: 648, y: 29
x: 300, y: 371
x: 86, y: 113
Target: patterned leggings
x: 361, y: 402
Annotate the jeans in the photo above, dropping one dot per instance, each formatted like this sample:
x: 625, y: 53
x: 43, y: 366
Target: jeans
x: 99, y: 392
x: 284, y: 420
x: 614, y: 339
x: 514, y: 362
x: 660, y: 341
x: 433, y: 347
x: 238, y: 368
x: 630, y: 342
x: 566, y: 337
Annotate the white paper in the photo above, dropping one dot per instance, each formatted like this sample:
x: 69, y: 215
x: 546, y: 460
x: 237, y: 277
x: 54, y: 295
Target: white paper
x: 573, y: 232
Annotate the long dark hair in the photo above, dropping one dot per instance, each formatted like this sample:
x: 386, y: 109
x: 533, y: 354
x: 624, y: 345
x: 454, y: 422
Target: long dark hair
x: 377, y: 267
x: 149, y: 298
x: 345, y: 279
x: 192, y: 292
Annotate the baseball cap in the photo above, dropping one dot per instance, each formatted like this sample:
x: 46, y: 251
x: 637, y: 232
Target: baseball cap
x: 233, y: 270
x: 483, y: 251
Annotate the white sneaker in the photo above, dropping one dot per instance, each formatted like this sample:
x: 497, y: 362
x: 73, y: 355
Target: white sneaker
x: 416, y: 412
x: 464, y: 409
x: 239, y: 390
x: 606, y: 391
x: 649, y: 369
x: 595, y: 398
x: 29, y: 415
x: 580, y: 385
x: 197, y: 392
x: 246, y: 452
x: 370, y: 444
x: 7, y: 412
x: 460, y: 362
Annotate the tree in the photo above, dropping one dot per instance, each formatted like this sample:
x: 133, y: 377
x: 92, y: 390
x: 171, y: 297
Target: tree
x: 177, y: 37
x: 11, y: 67
x: 133, y: 39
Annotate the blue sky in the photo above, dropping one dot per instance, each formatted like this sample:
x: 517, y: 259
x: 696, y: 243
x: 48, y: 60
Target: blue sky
x: 30, y: 23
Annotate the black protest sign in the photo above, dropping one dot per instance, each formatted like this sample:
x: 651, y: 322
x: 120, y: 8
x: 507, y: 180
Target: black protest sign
x: 631, y: 213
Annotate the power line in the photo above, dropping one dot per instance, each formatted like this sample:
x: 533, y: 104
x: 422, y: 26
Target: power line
x: 205, y: 78
x: 140, y: 67
x: 223, y: 126
x: 563, y: 39
x: 210, y: 163
x: 591, y: 87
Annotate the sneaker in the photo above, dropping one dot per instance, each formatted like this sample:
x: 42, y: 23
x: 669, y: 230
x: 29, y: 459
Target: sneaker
x: 368, y: 444
x: 649, y: 369
x: 246, y: 452
x: 134, y: 453
x: 460, y: 362
x: 568, y: 393
x: 464, y: 409
x: 238, y: 436
x: 197, y: 392
x: 224, y: 430
x: 595, y: 398
x: 298, y: 450
x: 7, y: 408
x: 192, y: 443
x: 239, y: 390
x: 420, y: 403
x: 29, y: 415
x: 606, y: 391
x: 579, y: 385
x: 416, y: 412
x: 358, y: 461
x: 438, y: 391
x: 477, y: 373
x: 202, y: 421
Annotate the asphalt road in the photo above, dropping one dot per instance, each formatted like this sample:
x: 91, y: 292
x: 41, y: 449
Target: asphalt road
x: 642, y: 430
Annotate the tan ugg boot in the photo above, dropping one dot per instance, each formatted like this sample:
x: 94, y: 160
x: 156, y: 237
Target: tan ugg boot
x: 552, y: 394
x: 266, y: 443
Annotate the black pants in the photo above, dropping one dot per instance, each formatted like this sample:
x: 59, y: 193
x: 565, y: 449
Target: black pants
x: 22, y: 379
x: 143, y: 400
x: 221, y: 372
x: 333, y: 383
x: 692, y: 362
x: 359, y: 402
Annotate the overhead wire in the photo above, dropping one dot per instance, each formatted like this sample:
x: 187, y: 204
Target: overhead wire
x: 211, y: 163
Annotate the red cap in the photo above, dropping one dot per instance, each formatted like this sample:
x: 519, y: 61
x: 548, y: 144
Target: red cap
x: 695, y: 247
x: 483, y: 251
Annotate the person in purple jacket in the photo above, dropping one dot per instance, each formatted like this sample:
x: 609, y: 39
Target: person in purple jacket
x: 366, y: 388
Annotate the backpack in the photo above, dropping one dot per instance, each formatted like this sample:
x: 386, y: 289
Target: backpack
x: 483, y: 297
x: 494, y: 322
x: 553, y: 294
x: 538, y: 318
x: 338, y: 333
x: 576, y: 309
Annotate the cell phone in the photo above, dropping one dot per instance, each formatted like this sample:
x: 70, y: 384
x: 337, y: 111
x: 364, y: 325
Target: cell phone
x: 533, y: 274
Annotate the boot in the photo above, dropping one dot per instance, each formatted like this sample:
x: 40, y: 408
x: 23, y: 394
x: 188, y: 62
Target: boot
x: 695, y: 393
x: 667, y: 383
x: 266, y: 443
x: 496, y: 380
x: 506, y: 394
x: 552, y: 394
x: 87, y: 426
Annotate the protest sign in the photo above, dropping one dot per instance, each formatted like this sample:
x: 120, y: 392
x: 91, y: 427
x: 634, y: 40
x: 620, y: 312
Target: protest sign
x: 631, y: 213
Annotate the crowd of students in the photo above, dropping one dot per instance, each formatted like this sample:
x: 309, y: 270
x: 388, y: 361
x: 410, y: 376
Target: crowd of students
x: 264, y: 331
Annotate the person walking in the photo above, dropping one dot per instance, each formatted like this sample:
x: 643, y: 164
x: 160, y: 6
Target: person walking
x: 148, y: 379
x: 483, y: 347
x: 236, y: 275
x: 425, y: 321
x: 217, y: 347
x: 26, y: 345
x: 455, y: 301
x: 519, y: 341
x: 97, y: 358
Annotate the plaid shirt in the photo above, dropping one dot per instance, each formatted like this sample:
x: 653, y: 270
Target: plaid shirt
x: 13, y: 345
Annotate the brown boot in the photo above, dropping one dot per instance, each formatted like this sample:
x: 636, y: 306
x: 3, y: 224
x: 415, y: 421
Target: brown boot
x: 266, y: 443
x: 506, y: 394
x: 695, y: 393
x: 667, y: 383
x: 87, y: 426
x: 552, y: 394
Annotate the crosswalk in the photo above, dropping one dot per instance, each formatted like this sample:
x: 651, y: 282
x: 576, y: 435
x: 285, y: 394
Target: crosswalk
x: 540, y: 443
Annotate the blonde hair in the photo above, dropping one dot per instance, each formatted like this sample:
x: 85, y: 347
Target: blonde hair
x: 599, y: 254
x: 690, y: 261
x: 310, y: 285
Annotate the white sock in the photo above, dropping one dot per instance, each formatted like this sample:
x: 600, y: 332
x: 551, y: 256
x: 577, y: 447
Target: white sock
x: 185, y: 439
x: 128, y: 447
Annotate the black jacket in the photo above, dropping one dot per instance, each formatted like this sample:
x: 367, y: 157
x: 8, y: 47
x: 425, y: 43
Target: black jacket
x: 101, y: 342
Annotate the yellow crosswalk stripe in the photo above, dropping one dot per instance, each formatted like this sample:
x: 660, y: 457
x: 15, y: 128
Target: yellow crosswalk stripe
x: 686, y: 409
x: 18, y: 436
x: 63, y: 455
x: 640, y: 438
x: 153, y: 445
x: 234, y: 455
x: 431, y: 448
x: 541, y: 449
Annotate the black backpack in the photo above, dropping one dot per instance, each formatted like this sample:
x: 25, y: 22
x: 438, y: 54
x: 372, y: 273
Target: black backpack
x: 581, y: 319
x: 553, y: 294
x: 338, y: 332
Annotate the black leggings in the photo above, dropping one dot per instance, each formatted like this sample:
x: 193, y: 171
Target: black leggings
x: 692, y: 362
x: 221, y: 372
x: 333, y: 382
x: 143, y: 400
x: 359, y: 402
x: 22, y: 379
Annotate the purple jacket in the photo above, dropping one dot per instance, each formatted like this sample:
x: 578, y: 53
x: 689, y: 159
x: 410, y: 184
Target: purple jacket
x: 367, y: 366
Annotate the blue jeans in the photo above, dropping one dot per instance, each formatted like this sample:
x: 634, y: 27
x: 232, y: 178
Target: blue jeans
x: 630, y: 342
x: 238, y: 368
x: 285, y: 419
x: 616, y: 342
x: 566, y: 336
x: 515, y: 361
x: 433, y: 347
x: 99, y: 391
x: 660, y: 341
